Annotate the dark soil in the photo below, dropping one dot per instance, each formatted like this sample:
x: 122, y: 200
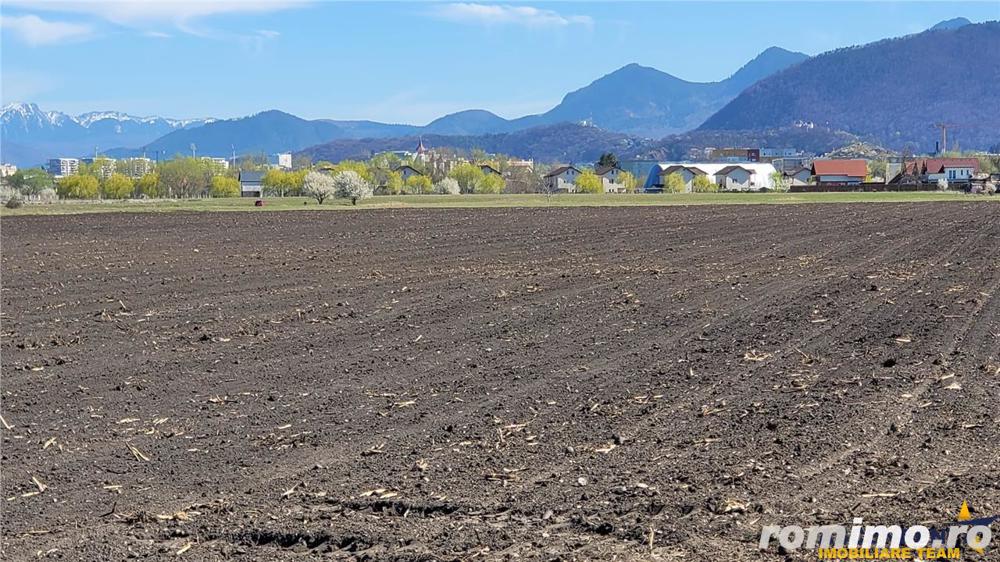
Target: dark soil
x: 642, y: 383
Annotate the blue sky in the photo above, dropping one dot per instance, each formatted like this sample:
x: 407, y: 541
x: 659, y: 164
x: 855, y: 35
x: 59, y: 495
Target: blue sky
x: 401, y: 62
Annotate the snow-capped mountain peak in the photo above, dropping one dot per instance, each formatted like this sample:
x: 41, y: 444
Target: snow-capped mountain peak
x: 32, y: 135
x: 30, y: 112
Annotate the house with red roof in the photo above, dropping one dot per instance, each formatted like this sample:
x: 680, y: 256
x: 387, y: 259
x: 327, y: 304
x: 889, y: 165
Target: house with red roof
x: 953, y: 170
x: 840, y: 172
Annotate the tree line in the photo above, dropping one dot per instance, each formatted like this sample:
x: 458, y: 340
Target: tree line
x: 385, y: 174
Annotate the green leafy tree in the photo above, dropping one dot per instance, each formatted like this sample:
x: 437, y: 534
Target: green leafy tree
x: 276, y: 182
x: 118, y: 186
x: 701, y: 184
x: 492, y: 183
x: 589, y: 182
x: 225, y: 186
x: 778, y: 181
x: 149, y: 185
x: 185, y: 177
x: 393, y: 182
x: 385, y: 161
x: 468, y: 177
x: 608, y: 159
x: 479, y: 156
x: 628, y: 181
x: 674, y: 183
x: 417, y: 185
x: 359, y: 168
x: 78, y: 187
x: 30, y: 181
x: 101, y: 168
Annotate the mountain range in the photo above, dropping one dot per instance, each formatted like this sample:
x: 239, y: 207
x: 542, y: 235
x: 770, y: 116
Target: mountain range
x: 635, y: 100
x: 31, y: 135
x: 893, y: 92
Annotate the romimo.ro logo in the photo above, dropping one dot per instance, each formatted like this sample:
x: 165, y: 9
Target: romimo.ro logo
x: 880, y: 542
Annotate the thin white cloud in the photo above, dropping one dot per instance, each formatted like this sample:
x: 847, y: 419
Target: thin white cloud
x: 35, y: 31
x: 157, y: 34
x: 133, y: 12
x: 150, y: 16
x: 502, y: 14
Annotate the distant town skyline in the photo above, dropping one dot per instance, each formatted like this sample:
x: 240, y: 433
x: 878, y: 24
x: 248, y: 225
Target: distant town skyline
x: 401, y: 62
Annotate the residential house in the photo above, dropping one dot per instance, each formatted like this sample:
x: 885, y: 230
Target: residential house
x: 840, y: 172
x: 687, y: 173
x: 561, y: 179
x: 800, y: 176
x: 953, y: 170
x: 610, y: 178
x: 488, y: 169
x: 251, y: 184
x: 750, y: 176
x: 734, y: 178
x: 406, y: 171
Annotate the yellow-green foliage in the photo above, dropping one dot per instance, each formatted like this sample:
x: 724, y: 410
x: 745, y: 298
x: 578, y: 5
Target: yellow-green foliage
x: 359, y: 168
x: 78, y: 187
x: 492, y: 183
x: 628, y: 180
x: 225, y: 186
x: 393, y: 183
x: 118, y: 186
x: 419, y: 184
x: 701, y: 184
x: 149, y: 185
x: 468, y: 177
x: 674, y: 183
x: 589, y: 182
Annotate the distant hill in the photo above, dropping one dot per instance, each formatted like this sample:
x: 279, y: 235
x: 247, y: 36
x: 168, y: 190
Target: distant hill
x: 643, y: 101
x: 891, y: 92
x: 29, y: 135
x: 471, y: 122
x: 953, y: 23
x: 371, y: 129
x: 637, y: 100
x: 268, y: 132
x: 563, y: 142
x: 815, y: 140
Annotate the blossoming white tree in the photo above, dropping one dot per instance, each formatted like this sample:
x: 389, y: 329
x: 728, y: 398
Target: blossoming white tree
x: 319, y: 186
x: 349, y: 185
x: 447, y: 186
